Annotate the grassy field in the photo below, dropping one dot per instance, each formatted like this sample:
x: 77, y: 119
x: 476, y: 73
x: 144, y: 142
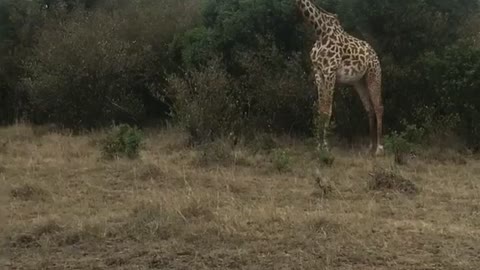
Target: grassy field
x: 64, y: 207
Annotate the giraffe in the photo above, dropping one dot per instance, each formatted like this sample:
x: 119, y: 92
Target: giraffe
x: 339, y: 58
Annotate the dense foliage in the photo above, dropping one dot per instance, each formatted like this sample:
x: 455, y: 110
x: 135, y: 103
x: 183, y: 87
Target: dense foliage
x: 223, y: 67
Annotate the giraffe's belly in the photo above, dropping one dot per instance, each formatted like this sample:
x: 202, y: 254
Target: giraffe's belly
x: 349, y: 75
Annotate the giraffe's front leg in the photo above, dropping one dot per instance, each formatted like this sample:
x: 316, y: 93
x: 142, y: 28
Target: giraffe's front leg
x: 325, y: 86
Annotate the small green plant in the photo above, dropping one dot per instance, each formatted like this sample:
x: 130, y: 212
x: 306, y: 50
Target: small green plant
x: 122, y: 141
x: 281, y: 160
x: 404, y: 143
x: 399, y: 146
x: 413, y: 133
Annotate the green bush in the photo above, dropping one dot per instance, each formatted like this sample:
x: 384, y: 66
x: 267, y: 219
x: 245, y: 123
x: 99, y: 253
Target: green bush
x: 454, y: 74
x: 271, y: 93
x: 122, y: 141
x: 90, y: 67
x: 405, y: 143
x: 325, y: 157
x: 19, y: 21
x: 399, y: 146
x: 204, y: 103
x: 235, y: 24
x: 278, y: 94
x: 81, y: 72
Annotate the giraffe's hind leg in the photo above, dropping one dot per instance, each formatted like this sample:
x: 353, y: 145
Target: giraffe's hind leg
x: 374, y: 86
x: 362, y: 91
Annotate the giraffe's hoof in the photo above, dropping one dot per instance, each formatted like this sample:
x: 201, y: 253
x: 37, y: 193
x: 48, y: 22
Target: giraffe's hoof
x: 379, y: 151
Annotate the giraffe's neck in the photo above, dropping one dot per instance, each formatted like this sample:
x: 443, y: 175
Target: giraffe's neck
x: 316, y: 17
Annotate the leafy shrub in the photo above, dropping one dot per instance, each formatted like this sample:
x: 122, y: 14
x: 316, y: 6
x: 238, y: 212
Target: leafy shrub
x: 325, y: 157
x: 122, y: 140
x: 402, y: 144
x: 270, y: 93
x: 205, y: 104
x: 277, y: 93
x: 92, y: 66
x: 19, y: 21
x: 399, y: 146
x: 197, y: 47
x: 413, y: 133
x: 454, y: 74
x: 234, y: 23
x: 81, y: 72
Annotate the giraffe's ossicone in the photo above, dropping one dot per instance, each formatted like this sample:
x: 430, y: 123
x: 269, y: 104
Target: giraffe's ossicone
x: 339, y: 58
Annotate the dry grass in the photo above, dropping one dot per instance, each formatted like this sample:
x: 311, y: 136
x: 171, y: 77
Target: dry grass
x: 182, y: 208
